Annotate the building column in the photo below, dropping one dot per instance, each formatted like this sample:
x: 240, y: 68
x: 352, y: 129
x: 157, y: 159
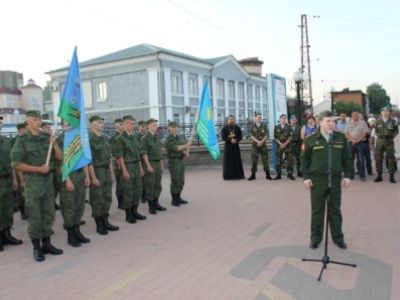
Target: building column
x: 246, y: 104
x: 214, y: 98
x: 154, y: 103
x: 186, y: 105
x: 168, y: 96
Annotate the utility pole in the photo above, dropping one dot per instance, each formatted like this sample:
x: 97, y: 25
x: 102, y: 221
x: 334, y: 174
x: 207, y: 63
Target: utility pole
x: 305, y: 66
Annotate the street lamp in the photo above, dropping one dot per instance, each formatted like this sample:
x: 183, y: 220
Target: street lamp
x: 298, y: 78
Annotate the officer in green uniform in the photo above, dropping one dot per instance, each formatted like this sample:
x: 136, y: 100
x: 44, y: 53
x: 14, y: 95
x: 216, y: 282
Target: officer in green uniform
x: 282, y: 136
x: 176, y: 148
x: 314, y: 166
x: 151, y: 152
x: 119, y: 128
x: 100, y: 192
x: 72, y: 200
x: 386, y: 130
x: 29, y: 156
x: 127, y: 152
x: 295, y: 144
x: 142, y: 131
x: 259, y: 135
x: 8, y: 180
x: 18, y: 194
x: 46, y: 128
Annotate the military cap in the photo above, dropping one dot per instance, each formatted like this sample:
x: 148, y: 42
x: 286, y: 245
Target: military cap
x: 257, y: 113
x: 130, y: 118
x: 150, y: 121
x: 44, y: 124
x: 385, y: 108
x: 119, y: 120
x: 172, y: 124
x: 293, y: 117
x: 21, y: 126
x: 282, y: 115
x: 141, y: 123
x: 95, y: 118
x: 33, y: 113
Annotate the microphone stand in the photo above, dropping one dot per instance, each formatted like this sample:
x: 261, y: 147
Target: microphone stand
x: 326, y: 259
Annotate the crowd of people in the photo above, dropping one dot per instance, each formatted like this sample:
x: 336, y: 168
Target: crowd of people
x: 132, y: 160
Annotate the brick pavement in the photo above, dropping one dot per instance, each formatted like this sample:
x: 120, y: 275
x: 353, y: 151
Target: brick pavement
x: 235, y: 240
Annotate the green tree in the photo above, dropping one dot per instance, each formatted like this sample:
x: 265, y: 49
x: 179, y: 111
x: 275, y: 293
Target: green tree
x: 377, y: 98
x: 346, y: 107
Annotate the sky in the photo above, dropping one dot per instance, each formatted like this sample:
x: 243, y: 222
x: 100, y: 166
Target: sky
x: 353, y: 43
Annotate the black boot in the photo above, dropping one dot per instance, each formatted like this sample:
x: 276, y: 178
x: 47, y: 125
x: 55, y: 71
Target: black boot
x: 392, y: 180
x: 120, y: 201
x: 157, y: 206
x: 128, y: 216
x: 1, y: 240
x: 24, y: 216
x: 253, y: 176
x: 290, y: 176
x: 299, y: 174
x: 378, y: 178
x: 181, y: 201
x: 152, y: 208
x: 100, y: 228
x: 72, y: 238
x: 267, y: 175
x: 8, y: 239
x: 135, y: 213
x: 107, y: 224
x: 37, y: 250
x: 80, y: 236
x: 175, y: 200
x: 278, y: 176
x: 56, y: 206
x: 48, y: 248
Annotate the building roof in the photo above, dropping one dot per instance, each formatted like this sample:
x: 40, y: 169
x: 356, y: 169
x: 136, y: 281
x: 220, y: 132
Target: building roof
x: 10, y: 91
x: 31, y: 84
x: 348, y: 92
x: 140, y: 51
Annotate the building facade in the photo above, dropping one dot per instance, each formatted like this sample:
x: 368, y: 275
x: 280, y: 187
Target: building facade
x: 152, y: 82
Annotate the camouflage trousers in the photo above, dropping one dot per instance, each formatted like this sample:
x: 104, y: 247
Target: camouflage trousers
x: 132, y: 189
x: 118, y: 180
x: 385, y: 146
x: 100, y: 197
x: 39, y: 203
x: 176, y: 168
x: 73, y: 203
x: 280, y: 156
x: 153, y: 181
x: 256, y: 152
x: 295, y: 149
x: 6, y: 203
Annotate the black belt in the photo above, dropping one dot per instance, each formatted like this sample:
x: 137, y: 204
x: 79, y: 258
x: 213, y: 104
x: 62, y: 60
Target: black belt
x: 102, y: 167
x: 175, y: 157
x: 5, y: 176
x: 38, y: 174
x: 155, y: 159
x: 132, y: 162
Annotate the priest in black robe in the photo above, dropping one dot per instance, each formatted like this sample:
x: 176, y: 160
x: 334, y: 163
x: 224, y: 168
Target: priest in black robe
x: 232, y: 135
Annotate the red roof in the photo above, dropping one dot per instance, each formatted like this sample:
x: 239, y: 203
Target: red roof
x: 10, y: 91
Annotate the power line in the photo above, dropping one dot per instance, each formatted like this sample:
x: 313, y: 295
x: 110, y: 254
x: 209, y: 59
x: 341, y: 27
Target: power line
x: 361, y: 55
x: 355, y: 21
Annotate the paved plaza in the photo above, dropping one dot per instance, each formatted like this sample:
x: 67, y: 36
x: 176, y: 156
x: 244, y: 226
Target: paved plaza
x: 234, y: 240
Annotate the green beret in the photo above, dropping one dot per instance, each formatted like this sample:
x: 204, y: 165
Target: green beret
x: 44, y: 124
x: 151, y: 121
x: 257, y: 113
x: 95, y: 118
x: 119, y: 120
x: 141, y: 123
x: 293, y: 117
x: 21, y: 126
x: 172, y: 124
x: 33, y: 113
x: 128, y: 118
x: 282, y: 115
x: 385, y: 108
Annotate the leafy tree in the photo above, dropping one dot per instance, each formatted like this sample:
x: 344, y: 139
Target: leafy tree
x: 346, y: 107
x: 377, y: 98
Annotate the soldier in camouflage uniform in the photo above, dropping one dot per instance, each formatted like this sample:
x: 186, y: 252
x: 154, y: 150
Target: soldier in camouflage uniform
x: 282, y: 136
x: 100, y: 170
x: 295, y: 144
x: 151, y: 152
x: 119, y: 128
x: 386, y: 130
x: 314, y: 166
x: 72, y: 201
x: 128, y: 154
x: 29, y: 156
x: 18, y: 193
x: 8, y: 181
x: 259, y: 135
x: 142, y: 131
x: 176, y: 147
